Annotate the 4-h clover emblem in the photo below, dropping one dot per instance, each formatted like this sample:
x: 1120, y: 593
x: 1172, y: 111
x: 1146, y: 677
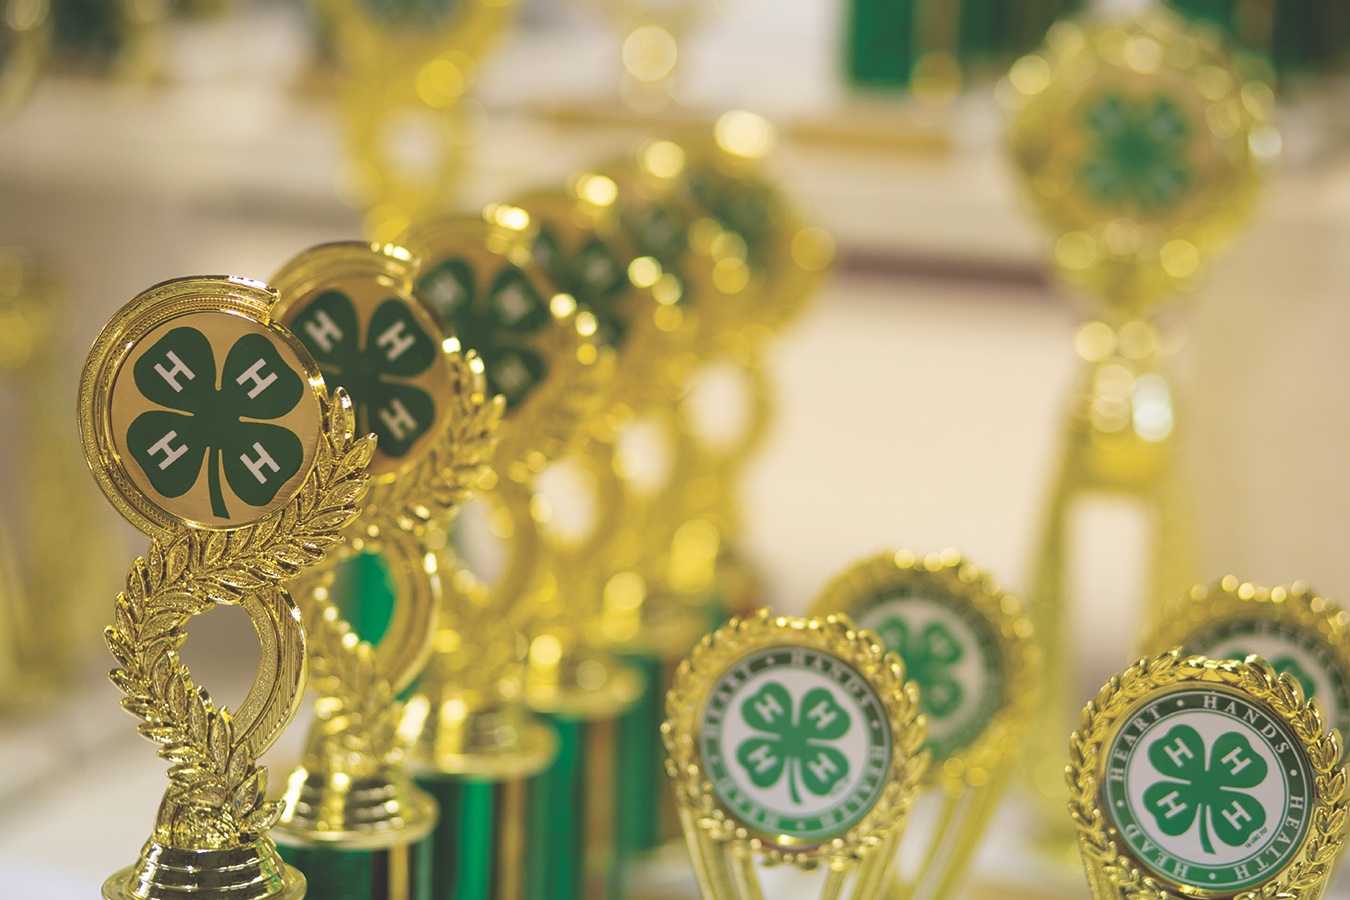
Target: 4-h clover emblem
x: 929, y: 654
x: 212, y: 417
x: 375, y: 346
x: 1137, y: 153
x: 1208, y: 790
x: 502, y: 322
x: 797, y: 740
x: 592, y: 273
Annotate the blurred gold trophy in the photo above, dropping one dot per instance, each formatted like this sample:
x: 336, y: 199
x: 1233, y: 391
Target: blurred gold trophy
x: 240, y: 487
x: 354, y: 823
x: 475, y: 744
x: 967, y: 645
x: 796, y: 741
x: 408, y: 66
x: 1140, y: 147
x: 731, y: 263
x: 47, y: 607
x: 25, y: 39
x: 1297, y: 632
x: 575, y: 672
x: 1191, y: 777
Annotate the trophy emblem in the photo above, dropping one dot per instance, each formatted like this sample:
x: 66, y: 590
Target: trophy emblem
x: 1204, y: 778
x: 795, y: 740
x: 209, y: 427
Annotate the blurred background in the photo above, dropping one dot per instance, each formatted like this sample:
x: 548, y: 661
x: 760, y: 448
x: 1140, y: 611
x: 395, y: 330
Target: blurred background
x: 921, y: 399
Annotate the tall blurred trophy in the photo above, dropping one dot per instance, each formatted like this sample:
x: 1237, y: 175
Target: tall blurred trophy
x: 1140, y: 148
x: 354, y: 823
x: 408, y: 66
x: 475, y: 743
x: 209, y: 427
x: 795, y: 742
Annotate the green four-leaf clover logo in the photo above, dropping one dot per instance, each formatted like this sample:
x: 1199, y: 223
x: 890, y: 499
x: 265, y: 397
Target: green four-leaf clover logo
x: 224, y: 426
x: 374, y: 361
x: 1137, y: 153
x: 593, y: 275
x: 501, y: 324
x: 1211, y: 793
x: 929, y: 655
x: 796, y: 741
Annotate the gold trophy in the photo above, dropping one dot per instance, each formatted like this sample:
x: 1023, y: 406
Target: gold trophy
x: 575, y: 672
x: 408, y: 68
x: 354, y: 823
x: 1195, y: 778
x: 475, y: 744
x: 240, y: 487
x: 967, y: 645
x: 49, y: 614
x: 1298, y: 633
x: 796, y: 741
x: 1140, y: 147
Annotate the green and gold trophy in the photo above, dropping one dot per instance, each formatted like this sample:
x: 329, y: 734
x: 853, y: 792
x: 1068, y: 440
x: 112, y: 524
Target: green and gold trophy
x: 1140, y: 148
x: 354, y: 823
x: 731, y: 263
x: 1196, y: 778
x: 209, y: 427
x: 967, y: 645
x: 475, y: 744
x: 575, y: 672
x: 798, y: 742
x: 1293, y: 629
x: 408, y: 66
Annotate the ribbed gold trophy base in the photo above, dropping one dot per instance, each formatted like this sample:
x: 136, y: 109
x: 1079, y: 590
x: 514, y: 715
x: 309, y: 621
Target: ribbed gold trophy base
x: 252, y: 872
x: 373, y: 813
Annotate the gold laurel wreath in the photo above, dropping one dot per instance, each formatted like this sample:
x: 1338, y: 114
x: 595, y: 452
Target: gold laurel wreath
x: 837, y: 636
x: 361, y: 716
x: 216, y: 795
x: 1112, y: 869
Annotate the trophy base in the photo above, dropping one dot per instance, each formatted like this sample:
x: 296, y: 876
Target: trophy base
x: 494, y: 744
x: 252, y: 872
x: 376, y: 813
x: 587, y: 686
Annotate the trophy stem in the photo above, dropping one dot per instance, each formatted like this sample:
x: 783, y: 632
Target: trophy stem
x: 1122, y: 445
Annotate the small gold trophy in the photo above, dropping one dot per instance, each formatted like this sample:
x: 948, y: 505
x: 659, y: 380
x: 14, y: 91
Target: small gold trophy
x: 1140, y: 147
x: 1298, y: 633
x: 968, y: 646
x: 354, y: 823
x: 1195, y: 778
x: 476, y: 746
x: 50, y: 614
x: 209, y: 428
x: 794, y: 740
x: 408, y: 68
